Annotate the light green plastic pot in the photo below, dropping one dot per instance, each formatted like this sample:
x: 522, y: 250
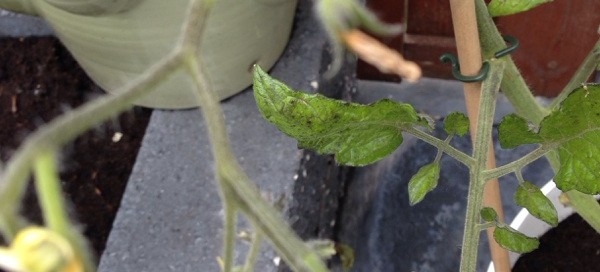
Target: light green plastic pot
x: 117, y: 40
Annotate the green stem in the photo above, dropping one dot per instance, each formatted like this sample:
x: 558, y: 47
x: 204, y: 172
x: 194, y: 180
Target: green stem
x: 441, y: 145
x: 71, y: 124
x: 517, y: 164
x: 10, y: 225
x: 53, y: 207
x: 234, y: 183
x: 517, y: 92
x: 583, y: 73
x: 439, y: 154
x: 50, y: 193
x: 229, y: 233
x: 486, y: 225
x: 481, y: 146
x: 257, y: 239
x: 513, y: 85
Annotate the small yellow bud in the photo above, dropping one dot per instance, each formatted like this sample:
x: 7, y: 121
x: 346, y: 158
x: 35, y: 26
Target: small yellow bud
x: 41, y: 250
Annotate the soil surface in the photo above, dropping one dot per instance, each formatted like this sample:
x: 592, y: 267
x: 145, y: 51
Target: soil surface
x: 572, y: 246
x: 39, y: 80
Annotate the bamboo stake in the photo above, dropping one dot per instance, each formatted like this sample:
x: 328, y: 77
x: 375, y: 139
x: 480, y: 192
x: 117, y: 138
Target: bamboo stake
x: 469, y: 55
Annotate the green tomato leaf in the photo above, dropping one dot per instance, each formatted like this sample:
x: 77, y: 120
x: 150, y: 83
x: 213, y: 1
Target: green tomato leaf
x: 425, y: 180
x: 514, y: 241
x: 575, y: 127
x: 514, y: 131
x: 537, y: 204
x: 456, y: 123
x: 508, y: 7
x: 574, y: 131
x: 356, y: 134
x: 488, y: 214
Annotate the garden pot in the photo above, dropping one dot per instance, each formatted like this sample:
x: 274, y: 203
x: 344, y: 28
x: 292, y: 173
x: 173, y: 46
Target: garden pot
x: 118, y: 41
x: 533, y: 227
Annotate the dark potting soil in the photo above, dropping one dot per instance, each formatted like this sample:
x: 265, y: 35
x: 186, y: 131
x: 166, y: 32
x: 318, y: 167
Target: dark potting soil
x: 572, y: 246
x: 39, y: 80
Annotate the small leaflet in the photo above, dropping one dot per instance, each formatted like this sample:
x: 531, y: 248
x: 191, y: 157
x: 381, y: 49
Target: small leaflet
x: 423, y: 182
x: 456, y: 123
x: 537, y: 204
x: 514, y: 241
x: 488, y: 214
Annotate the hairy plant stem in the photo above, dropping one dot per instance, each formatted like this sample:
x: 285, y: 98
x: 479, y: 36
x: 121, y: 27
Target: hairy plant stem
x: 10, y: 224
x: 257, y: 239
x: 68, y: 126
x: 64, y: 129
x: 236, y: 186
x: 513, y: 85
x: 440, y: 144
x: 53, y: 208
x: 483, y: 139
x: 49, y: 192
x: 519, y: 163
x: 229, y: 232
x: 519, y: 95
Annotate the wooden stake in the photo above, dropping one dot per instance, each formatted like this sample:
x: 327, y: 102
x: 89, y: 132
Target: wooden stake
x: 469, y: 55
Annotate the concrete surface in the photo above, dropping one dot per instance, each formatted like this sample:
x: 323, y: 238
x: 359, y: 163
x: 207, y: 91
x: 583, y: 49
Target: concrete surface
x: 18, y: 25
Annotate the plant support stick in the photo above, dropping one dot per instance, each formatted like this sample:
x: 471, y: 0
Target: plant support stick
x: 477, y: 179
x: 469, y: 52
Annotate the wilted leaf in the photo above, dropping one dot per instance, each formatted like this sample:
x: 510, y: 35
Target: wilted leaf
x: 356, y: 134
x: 537, y: 204
x: 508, y: 7
x: 456, y: 123
x: 425, y: 180
x: 514, y: 241
x: 514, y: 131
x: 488, y: 214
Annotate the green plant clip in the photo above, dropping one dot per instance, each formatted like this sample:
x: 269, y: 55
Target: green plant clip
x: 485, y: 67
x: 450, y: 58
x: 513, y: 45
